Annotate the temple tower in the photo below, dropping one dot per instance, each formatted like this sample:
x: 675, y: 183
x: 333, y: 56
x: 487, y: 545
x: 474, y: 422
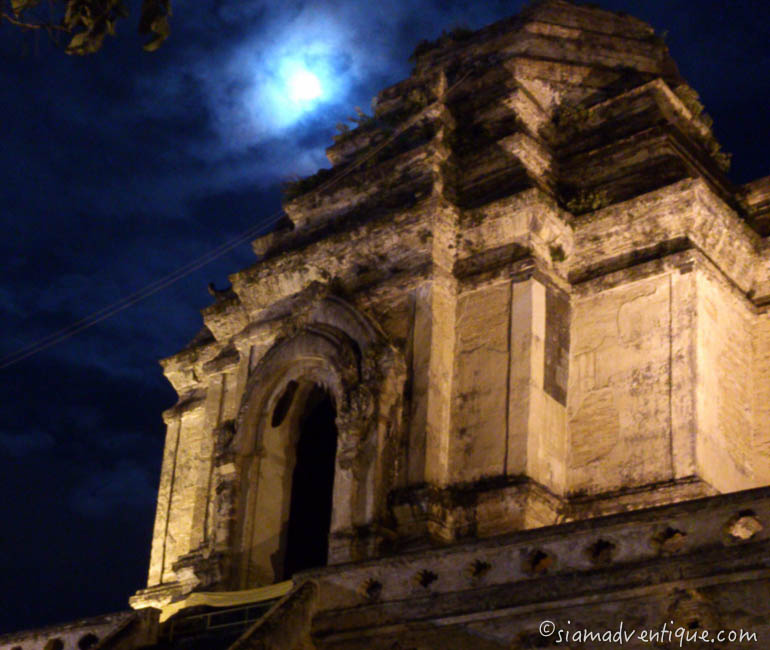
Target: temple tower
x: 525, y: 294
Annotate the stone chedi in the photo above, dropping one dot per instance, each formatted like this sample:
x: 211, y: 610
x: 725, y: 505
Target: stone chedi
x: 525, y: 294
x: 507, y: 361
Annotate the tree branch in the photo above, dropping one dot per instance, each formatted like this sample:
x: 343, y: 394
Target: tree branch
x: 24, y: 25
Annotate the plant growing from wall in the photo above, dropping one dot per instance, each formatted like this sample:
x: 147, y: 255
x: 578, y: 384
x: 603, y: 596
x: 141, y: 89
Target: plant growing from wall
x: 691, y: 100
x: 360, y: 121
x: 457, y: 34
x: 588, y: 201
x: 296, y: 187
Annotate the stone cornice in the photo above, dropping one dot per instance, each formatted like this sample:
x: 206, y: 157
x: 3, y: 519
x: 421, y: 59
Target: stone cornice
x: 687, y: 211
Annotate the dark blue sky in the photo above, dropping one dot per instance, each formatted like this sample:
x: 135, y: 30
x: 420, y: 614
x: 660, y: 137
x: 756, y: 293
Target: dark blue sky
x: 120, y: 168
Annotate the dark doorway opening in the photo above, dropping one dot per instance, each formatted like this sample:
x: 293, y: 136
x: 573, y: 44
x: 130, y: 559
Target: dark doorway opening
x: 307, y: 541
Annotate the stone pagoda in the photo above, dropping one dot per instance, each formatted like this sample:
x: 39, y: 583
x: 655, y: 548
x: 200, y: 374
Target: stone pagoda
x: 506, y: 362
x: 524, y: 297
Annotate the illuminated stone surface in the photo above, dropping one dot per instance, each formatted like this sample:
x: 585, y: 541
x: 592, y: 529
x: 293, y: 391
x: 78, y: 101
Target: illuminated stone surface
x: 78, y: 635
x: 542, y: 303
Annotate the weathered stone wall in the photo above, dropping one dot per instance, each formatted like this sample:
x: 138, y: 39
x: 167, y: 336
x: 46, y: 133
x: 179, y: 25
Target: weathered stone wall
x: 761, y: 396
x: 482, y: 375
x: 725, y: 441
x: 619, y: 397
x: 510, y: 383
x: 532, y: 294
x: 76, y: 635
x: 549, y: 358
x: 700, y: 565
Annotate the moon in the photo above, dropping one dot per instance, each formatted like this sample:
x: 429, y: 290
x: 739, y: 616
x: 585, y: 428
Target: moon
x: 278, y: 91
x: 304, y: 86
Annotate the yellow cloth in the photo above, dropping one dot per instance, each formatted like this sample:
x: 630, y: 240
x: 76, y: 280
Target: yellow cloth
x: 226, y: 598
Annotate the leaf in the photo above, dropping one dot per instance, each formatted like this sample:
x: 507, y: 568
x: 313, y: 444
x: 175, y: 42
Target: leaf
x: 71, y: 15
x: 17, y: 6
x: 161, y: 28
x: 151, y: 11
x: 154, y: 20
x: 88, y: 22
x: 154, y: 44
x: 78, y: 43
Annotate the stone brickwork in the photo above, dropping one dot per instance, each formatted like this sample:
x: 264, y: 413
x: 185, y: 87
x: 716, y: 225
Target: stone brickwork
x: 700, y: 565
x: 532, y: 295
x: 535, y: 315
x: 85, y: 634
x: 532, y: 298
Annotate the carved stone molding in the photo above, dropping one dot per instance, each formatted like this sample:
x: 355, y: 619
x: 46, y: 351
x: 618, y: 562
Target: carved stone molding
x: 208, y: 568
x: 326, y: 342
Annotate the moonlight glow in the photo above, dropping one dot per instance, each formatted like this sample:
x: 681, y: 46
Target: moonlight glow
x: 304, y: 86
x: 271, y: 91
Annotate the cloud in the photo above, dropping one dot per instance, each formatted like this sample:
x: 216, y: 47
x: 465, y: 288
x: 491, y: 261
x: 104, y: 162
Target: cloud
x: 9, y: 304
x: 256, y: 133
x: 21, y: 444
x: 247, y: 87
x: 126, y: 442
x: 127, y: 484
x: 66, y: 292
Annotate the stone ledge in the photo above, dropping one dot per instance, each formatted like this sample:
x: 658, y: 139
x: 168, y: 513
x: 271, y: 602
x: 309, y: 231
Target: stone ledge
x: 702, y: 532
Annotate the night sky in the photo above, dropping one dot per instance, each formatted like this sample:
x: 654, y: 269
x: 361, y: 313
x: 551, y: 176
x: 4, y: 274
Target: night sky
x: 121, y: 168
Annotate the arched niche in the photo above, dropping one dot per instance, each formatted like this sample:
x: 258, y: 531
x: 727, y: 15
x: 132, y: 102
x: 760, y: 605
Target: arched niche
x: 331, y: 359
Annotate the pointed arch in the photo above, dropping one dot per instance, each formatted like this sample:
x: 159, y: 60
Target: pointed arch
x: 329, y: 349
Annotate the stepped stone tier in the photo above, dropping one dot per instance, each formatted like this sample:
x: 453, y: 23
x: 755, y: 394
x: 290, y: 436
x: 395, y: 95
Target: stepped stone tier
x: 525, y: 294
x: 532, y: 296
x: 504, y: 362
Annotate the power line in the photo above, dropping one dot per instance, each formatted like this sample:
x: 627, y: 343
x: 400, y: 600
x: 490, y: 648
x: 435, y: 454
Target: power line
x: 137, y: 296
x: 173, y: 277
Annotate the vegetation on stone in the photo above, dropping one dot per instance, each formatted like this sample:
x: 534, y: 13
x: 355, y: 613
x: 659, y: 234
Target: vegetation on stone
x: 691, y: 100
x: 455, y: 35
x: 588, y: 201
x: 296, y: 187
